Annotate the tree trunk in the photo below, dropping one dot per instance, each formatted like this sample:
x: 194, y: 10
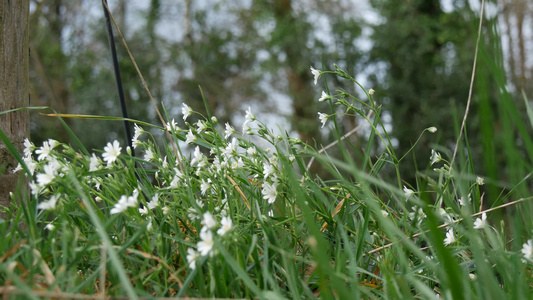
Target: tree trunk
x: 14, y: 58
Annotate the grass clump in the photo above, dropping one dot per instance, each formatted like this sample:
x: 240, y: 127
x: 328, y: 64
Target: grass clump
x: 237, y: 213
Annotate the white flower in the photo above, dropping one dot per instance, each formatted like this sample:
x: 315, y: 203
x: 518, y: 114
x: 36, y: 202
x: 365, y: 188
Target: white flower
x: 246, y: 128
x: 324, y: 97
x: 371, y: 91
x: 270, y: 192
x: 480, y: 180
x: 198, y: 157
x: 171, y: 126
x: 45, y: 150
x: 190, y: 137
x: 472, y: 276
x: 50, y: 204
x: 435, y: 157
x: 201, y: 126
x: 192, y: 257
x: 464, y: 201
x: 28, y: 147
x: 94, y: 163
x: 237, y: 164
x: 384, y: 213
x: 408, y: 192
x: 49, y: 174
x: 208, y: 221
x: 186, y: 110
x: 268, y: 170
x: 206, y: 244
x: 154, y: 203
x: 481, y: 223
x: 137, y: 133
x: 143, y: 211
x: 249, y: 117
x: 50, y: 226
x: 450, y: 238
x: 315, y: 73
x: 323, y: 118
x: 149, y: 155
x: 125, y: 202
x: 527, y: 250
x: 230, y: 149
x: 432, y: 129
x: 165, y: 210
x: 225, y: 225
x: 205, y: 186
x: 229, y: 131
x: 149, y: 225
x: 112, y: 151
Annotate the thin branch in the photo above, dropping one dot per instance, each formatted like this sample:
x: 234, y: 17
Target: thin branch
x: 456, y: 221
x: 337, y: 141
x: 471, y: 84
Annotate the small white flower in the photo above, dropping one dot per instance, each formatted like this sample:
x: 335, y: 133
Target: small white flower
x: 112, y: 151
x: 324, y: 97
x: 464, y: 201
x: 154, y: 203
x: 138, y: 131
x: 450, y: 238
x: 384, y: 213
x: 201, y: 126
x: 143, y: 211
x: 323, y: 118
x: 192, y: 257
x: 225, y: 225
x: 125, y: 202
x: 50, y: 204
x: 230, y: 149
x: 251, y: 151
x: 50, y: 226
x: 214, y: 119
x: 229, y: 131
x: 408, y: 192
x: 208, y: 221
x: 246, y: 129
x: 527, y: 250
x: 206, y: 244
x: 45, y: 150
x: 432, y: 129
x: 435, y: 157
x: 198, y: 157
x: 371, y: 91
x: 190, y: 137
x: 205, y: 186
x: 28, y: 147
x: 98, y: 199
x: 472, y: 276
x: 171, y: 126
x: 186, y: 110
x: 315, y: 73
x: 481, y: 223
x: 149, y: 155
x: 270, y: 192
x: 237, y: 164
x: 50, y: 172
x: 165, y: 210
x: 268, y: 170
x: 249, y: 117
x: 94, y: 163
x: 480, y: 180
x: 149, y: 225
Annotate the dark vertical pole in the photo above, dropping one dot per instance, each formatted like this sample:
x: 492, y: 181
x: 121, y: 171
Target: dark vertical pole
x: 118, y: 79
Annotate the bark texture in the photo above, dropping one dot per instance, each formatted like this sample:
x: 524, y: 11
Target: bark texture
x: 14, y: 57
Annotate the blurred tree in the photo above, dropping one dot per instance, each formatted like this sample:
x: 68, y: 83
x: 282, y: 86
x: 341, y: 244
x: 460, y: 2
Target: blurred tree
x: 428, y: 55
x: 14, y: 53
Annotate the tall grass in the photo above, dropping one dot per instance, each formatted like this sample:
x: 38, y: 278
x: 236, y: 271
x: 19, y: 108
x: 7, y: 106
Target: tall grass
x: 213, y: 214
x: 219, y: 216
